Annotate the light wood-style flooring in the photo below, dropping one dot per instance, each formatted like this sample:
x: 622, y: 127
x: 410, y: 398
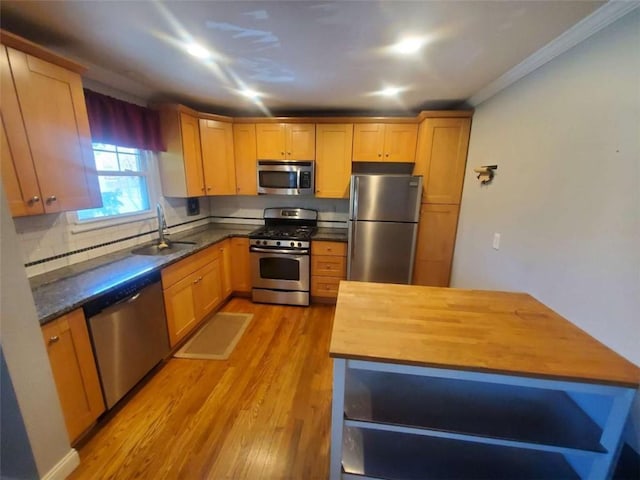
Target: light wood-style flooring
x: 264, y: 413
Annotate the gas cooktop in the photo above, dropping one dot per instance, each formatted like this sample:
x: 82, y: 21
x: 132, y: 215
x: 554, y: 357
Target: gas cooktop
x: 283, y: 232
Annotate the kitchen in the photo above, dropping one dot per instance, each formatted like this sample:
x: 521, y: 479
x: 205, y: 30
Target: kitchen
x: 535, y: 243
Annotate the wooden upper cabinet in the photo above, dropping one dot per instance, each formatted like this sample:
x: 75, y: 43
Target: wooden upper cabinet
x: 181, y: 169
x: 285, y: 141
x: 217, y: 157
x: 192, y: 154
x: 244, y: 148
x: 47, y: 141
x: 333, y: 159
x: 300, y: 141
x: 384, y: 142
x: 436, y: 241
x: 400, y: 142
x: 442, y: 157
x: 74, y: 371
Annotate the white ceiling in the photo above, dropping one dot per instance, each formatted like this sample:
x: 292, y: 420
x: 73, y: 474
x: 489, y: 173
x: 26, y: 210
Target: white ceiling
x: 302, y: 55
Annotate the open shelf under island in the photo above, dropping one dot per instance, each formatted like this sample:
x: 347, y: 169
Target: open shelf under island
x: 451, y: 383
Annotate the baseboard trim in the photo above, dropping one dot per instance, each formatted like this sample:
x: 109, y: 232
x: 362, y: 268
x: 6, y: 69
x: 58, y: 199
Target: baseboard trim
x: 64, y: 467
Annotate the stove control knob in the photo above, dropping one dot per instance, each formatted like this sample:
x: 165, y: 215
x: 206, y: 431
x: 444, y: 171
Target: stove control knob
x: 278, y: 244
x: 300, y: 244
x: 293, y: 244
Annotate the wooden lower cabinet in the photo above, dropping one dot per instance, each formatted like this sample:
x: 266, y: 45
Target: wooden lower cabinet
x: 225, y: 268
x: 74, y: 371
x: 240, y: 265
x: 192, y: 289
x: 436, y: 241
x: 328, y: 267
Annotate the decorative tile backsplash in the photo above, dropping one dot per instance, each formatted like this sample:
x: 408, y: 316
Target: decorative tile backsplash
x: 54, y: 241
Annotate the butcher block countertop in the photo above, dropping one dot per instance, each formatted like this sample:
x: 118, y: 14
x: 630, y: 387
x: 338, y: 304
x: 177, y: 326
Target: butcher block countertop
x: 475, y: 330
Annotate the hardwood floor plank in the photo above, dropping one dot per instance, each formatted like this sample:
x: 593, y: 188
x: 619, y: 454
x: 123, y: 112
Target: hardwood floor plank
x: 262, y: 414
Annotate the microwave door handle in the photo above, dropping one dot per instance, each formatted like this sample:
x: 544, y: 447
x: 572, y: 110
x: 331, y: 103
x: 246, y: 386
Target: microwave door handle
x: 298, y: 181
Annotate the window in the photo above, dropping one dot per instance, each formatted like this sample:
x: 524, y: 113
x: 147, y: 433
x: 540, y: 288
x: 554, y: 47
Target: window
x: 122, y: 173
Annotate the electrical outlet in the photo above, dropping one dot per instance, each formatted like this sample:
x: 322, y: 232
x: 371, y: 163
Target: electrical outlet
x: 496, y: 241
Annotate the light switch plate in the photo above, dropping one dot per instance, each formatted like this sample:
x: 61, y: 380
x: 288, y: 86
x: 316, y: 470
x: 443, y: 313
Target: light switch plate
x: 496, y: 241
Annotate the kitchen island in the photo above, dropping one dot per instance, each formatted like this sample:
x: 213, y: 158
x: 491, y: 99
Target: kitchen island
x: 450, y: 383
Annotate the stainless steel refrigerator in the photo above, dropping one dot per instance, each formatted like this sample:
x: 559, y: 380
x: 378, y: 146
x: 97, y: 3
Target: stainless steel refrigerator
x: 383, y: 227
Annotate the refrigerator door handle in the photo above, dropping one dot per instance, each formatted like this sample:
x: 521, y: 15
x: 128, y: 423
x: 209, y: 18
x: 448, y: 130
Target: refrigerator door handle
x: 351, y: 247
x: 356, y: 188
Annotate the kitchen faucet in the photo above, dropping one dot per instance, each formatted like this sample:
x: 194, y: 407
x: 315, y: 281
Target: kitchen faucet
x: 162, y: 225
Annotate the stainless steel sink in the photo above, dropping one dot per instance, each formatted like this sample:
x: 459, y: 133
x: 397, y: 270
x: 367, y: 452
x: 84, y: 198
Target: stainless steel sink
x: 155, y: 250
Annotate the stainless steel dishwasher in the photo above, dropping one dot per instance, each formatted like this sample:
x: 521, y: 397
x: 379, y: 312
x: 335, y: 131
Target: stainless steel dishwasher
x: 128, y: 331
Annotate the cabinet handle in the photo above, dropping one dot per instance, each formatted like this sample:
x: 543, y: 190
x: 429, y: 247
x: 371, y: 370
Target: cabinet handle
x: 34, y: 199
x: 288, y: 153
x: 387, y: 155
x: 208, y: 188
x: 53, y: 339
x: 379, y: 154
x: 282, y: 153
x: 51, y: 199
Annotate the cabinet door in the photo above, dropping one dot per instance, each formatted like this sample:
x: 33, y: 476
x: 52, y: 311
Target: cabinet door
x: 179, y: 303
x: 55, y: 120
x: 300, y: 141
x: 225, y: 269
x: 333, y: 160
x: 244, y: 148
x: 368, y: 142
x: 74, y: 371
x: 241, y: 271
x: 436, y: 240
x: 208, y: 288
x: 441, y: 158
x: 270, y: 141
x: 192, y: 155
x: 217, y: 157
x: 18, y: 173
x: 400, y: 142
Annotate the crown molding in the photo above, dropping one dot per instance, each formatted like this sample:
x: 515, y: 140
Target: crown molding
x: 601, y: 18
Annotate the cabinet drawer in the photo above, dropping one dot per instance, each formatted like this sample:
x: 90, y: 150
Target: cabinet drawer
x: 179, y: 270
x: 329, y: 248
x: 325, y: 286
x: 329, y: 266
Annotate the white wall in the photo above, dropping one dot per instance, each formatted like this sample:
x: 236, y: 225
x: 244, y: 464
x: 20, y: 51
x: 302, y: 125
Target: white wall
x: 26, y: 359
x: 566, y: 197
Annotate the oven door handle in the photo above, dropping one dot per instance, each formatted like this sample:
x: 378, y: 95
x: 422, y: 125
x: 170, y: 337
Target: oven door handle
x: 271, y: 250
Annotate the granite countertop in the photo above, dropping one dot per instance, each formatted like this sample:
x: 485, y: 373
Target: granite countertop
x: 331, y: 234
x: 60, y: 291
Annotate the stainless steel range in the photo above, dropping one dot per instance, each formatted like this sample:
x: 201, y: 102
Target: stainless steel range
x: 280, y: 260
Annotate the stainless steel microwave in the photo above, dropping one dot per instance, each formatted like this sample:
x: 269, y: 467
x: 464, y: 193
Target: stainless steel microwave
x: 286, y: 177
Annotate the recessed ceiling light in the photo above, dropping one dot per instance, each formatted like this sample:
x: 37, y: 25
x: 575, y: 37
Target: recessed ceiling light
x: 390, y: 91
x: 408, y: 45
x: 247, y: 92
x: 198, y: 51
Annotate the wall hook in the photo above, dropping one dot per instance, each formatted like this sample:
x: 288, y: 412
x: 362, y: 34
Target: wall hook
x: 485, y: 173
